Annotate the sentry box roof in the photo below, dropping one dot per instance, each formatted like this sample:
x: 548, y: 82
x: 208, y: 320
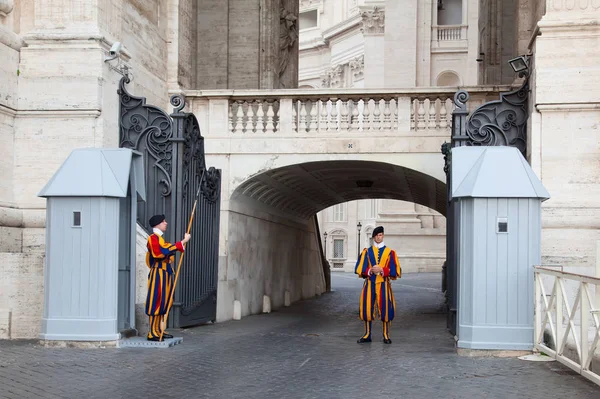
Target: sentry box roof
x: 97, y: 172
x: 493, y: 172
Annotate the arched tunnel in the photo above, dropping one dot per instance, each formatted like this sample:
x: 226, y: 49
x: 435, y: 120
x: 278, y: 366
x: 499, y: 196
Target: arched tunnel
x: 273, y: 239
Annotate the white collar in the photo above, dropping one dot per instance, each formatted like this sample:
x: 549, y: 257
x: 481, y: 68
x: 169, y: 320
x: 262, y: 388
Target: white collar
x: 157, y: 232
x: 380, y: 245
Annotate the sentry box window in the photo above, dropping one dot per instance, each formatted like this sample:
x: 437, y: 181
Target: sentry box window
x: 502, y: 225
x: 76, y: 219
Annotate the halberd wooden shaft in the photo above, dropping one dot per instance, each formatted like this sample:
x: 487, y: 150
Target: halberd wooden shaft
x: 163, y: 323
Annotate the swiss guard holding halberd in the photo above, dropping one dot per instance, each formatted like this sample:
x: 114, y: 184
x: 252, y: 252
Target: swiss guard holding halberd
x: 378, y: 265
x: 159, y: 259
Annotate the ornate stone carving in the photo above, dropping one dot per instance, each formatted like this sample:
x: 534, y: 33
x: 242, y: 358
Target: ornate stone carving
x: 288, y: 35
x: 568, y: 5
x: 6, y: 6
x: 373, y: 21
x: 357, y: 66
x: 334, y: 77
x: 308, y: 3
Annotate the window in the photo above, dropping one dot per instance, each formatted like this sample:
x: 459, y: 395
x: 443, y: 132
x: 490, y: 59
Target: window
x: 449, y: 12
x: 76, y: 219
x: 338, y: 248
x: 371, y: 209
x: 308, y: 19
x: 339, y: 214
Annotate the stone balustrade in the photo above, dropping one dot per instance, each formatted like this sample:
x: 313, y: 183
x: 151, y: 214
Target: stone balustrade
x: 305, y: 113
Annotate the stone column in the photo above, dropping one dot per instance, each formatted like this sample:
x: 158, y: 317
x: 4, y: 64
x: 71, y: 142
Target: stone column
x: 247, y: 44
x: 401, y: 43
x: 373, y: 21
x: 470, y: 18
x: 566, y: 86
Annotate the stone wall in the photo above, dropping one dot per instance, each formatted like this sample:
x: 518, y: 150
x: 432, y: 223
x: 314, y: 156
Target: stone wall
x: 267, y: 255
x: 61, y: 95
x: 565, y: 119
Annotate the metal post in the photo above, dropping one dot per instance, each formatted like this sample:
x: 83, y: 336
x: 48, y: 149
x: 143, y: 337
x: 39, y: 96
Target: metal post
x: 358, y: 226
x: 325, y: 244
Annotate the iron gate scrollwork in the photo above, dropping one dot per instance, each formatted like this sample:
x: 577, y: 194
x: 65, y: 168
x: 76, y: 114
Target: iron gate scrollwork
x: 496, y: 123
x: 175, y: 167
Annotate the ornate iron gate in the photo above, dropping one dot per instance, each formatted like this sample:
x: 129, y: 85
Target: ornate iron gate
x: 173, y: 150
x: 496, y: 123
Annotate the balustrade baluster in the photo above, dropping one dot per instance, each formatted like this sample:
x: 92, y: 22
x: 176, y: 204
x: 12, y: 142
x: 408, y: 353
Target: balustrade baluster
x: 295, y: 116
x: 344, y: 115
x: 324, y: 125
x: 443, y: 114
x: 270, y: 127
x: 303, y: 127
x: 239, y: 127
x: 334, y: 123
x: 354, y: 122
x: 230, y: 117
x: 387, y: 123
x: 366, y: 123
x: 432, y: 114
x: 395, y: 116
x: 260, y: 114
x: 449, y: 105
x: 376, y: 125
x: 250, y: 117
x: 413, y: 111
x: 421, y: 115
x: 313, y: 115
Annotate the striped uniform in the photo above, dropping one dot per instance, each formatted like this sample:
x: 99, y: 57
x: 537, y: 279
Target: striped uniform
x: 377, y: 298
x: 159, y: 258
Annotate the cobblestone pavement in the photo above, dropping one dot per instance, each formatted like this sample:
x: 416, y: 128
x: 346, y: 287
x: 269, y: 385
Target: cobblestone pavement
x: 308, y: 350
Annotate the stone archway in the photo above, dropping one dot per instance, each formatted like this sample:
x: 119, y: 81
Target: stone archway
x: 273, y: 244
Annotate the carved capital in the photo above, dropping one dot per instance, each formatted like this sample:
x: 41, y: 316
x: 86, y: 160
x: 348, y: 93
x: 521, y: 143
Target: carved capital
x: 333, y: 77
x: 373, y: 21
x: 357, y: 66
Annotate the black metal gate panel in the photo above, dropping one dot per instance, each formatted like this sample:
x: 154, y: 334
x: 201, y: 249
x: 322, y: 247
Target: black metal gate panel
x: 175, y: 168
x: 496, y: 123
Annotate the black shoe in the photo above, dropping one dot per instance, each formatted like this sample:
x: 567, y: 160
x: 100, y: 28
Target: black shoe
x: 363, y: 340
x: 387, y: 341
x: 154, y: 339
x: 167, y: 336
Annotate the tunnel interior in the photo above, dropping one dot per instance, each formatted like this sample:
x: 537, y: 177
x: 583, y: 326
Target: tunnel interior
x: 274, y: 252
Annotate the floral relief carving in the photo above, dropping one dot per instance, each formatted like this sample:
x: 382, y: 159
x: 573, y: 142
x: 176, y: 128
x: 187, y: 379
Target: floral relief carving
x: 373, y: 21
x: 357, y: 66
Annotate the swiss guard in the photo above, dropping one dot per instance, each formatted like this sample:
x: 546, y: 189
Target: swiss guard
x: 159, y: 259
x: 378, y: 265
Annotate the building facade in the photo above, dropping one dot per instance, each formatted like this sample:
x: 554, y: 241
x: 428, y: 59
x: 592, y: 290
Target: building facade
x: 58, y: 93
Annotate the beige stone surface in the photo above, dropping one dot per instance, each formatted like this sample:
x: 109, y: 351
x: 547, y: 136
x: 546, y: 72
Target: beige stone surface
x: 22, y: 292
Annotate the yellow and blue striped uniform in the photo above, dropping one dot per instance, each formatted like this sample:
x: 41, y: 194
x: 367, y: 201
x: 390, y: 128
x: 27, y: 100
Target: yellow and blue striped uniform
x: 377, y: 298
x: 159, y: 258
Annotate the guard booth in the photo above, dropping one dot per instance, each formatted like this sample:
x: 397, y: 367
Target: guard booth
x: 89, y: 273
x: 499, y: 230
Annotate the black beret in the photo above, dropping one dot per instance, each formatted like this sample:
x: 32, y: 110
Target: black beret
x: 377, y: 230
x: 156, y: 220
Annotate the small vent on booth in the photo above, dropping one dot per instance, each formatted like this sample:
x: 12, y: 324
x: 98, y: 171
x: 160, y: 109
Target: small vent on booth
x: 76, y: 219
x: 502, y: 226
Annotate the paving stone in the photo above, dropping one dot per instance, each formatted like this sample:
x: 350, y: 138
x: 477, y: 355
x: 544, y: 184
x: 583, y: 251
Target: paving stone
x: 308, y: 350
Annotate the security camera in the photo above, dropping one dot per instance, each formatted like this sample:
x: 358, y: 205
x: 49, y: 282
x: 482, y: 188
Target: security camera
x: 115, y: 49
x: 114, y: 52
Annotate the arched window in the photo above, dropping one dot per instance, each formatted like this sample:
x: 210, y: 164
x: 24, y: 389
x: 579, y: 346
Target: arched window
x: 448, y: 79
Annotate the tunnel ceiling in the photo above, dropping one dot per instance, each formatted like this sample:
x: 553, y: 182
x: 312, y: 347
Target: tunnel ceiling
x: 303, y: 190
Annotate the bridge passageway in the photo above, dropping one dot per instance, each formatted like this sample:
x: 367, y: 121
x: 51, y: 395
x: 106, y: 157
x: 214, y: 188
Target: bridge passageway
x: 307, y: 350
